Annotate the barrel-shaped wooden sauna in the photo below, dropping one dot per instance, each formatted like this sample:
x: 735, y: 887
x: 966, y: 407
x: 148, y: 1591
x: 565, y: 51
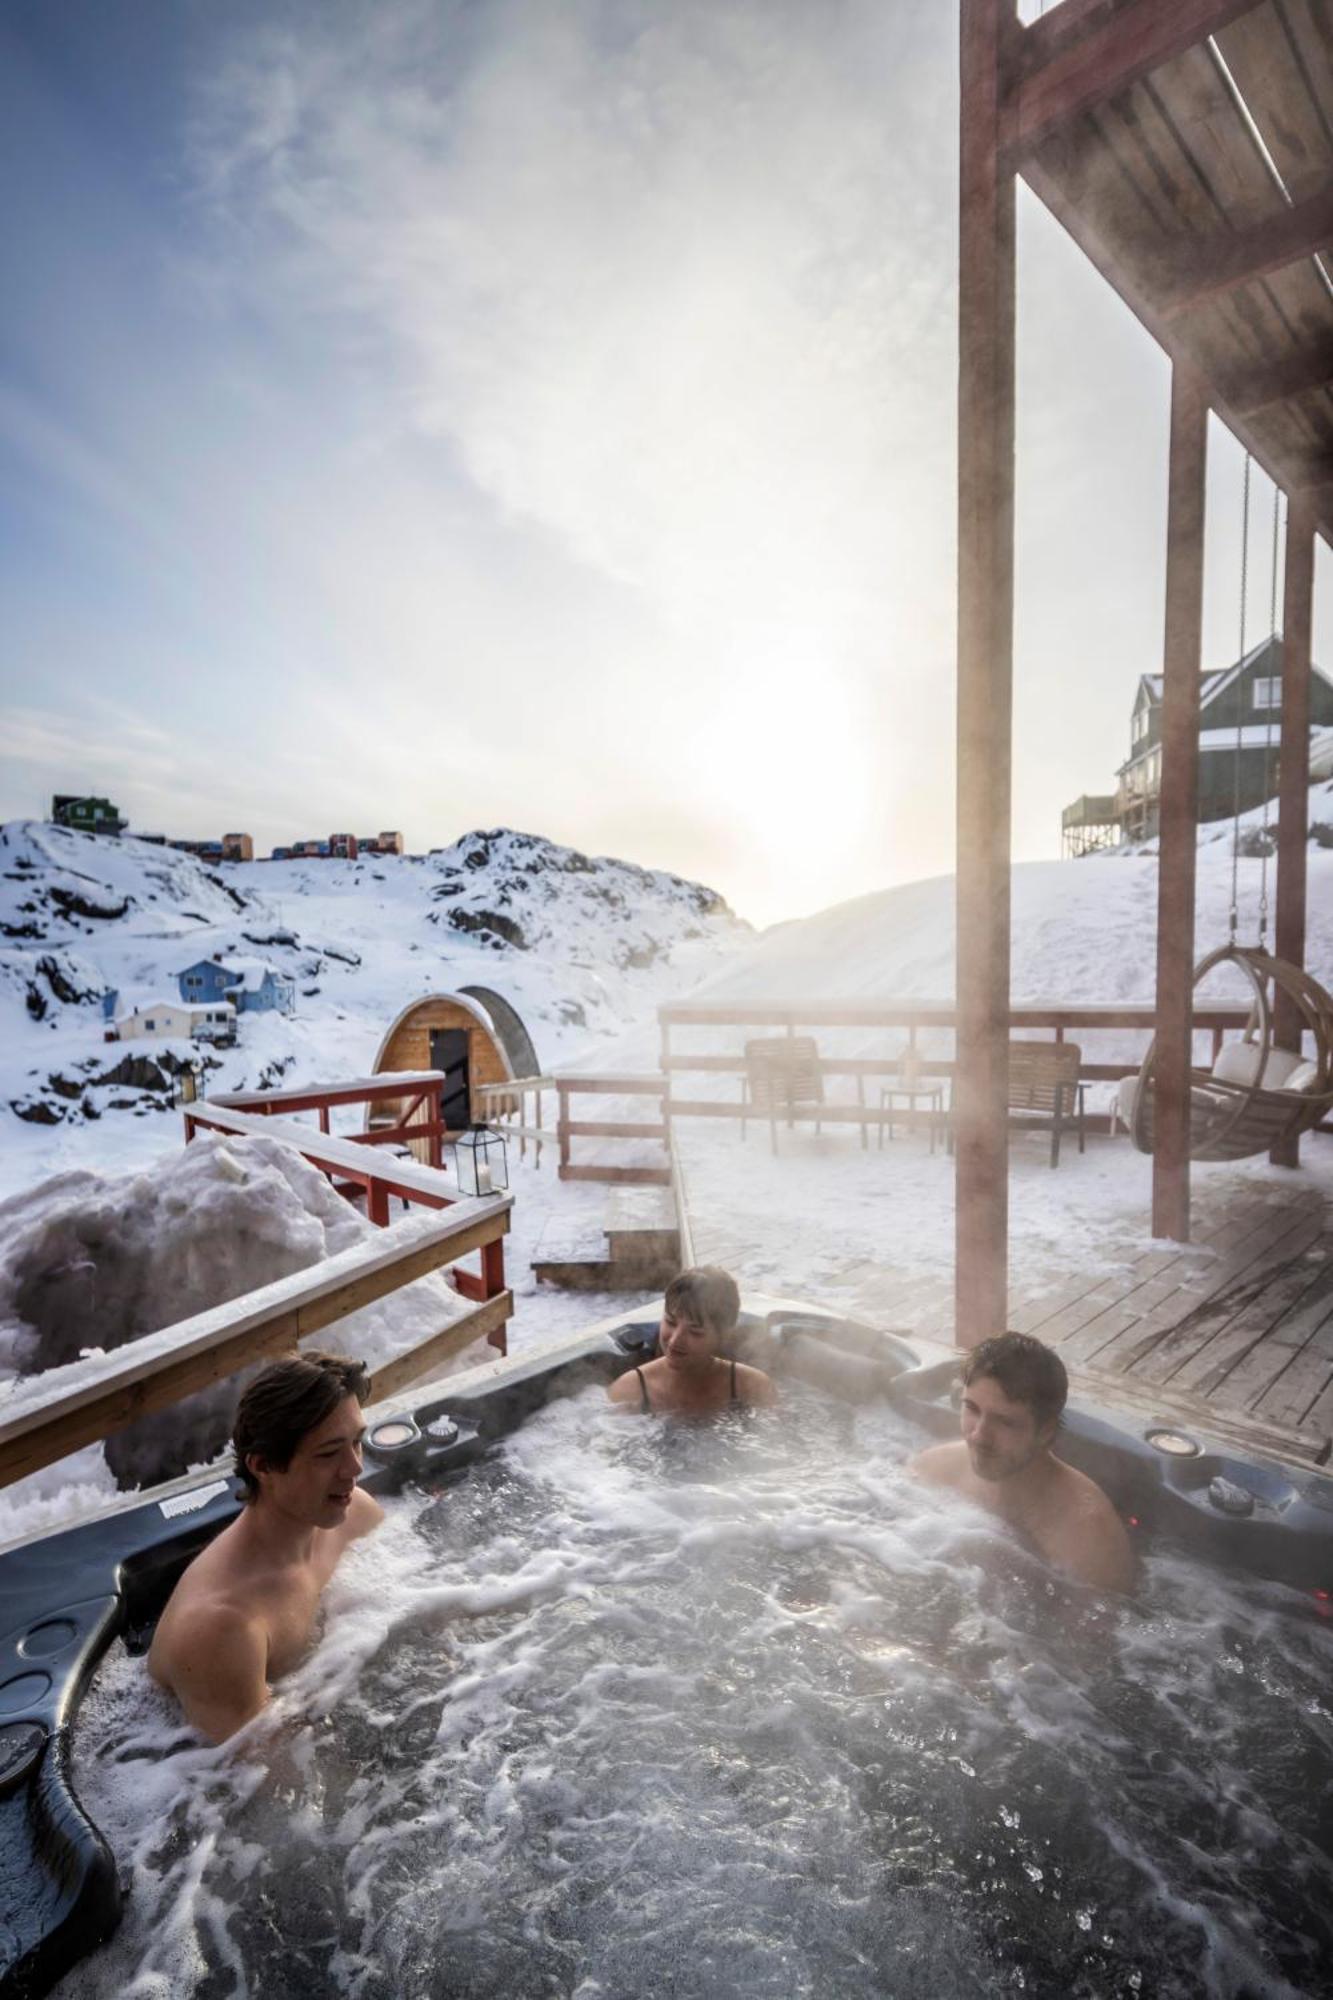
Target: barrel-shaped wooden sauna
x: 472, y: 1037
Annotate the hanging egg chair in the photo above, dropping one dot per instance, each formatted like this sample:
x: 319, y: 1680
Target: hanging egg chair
x: 1256, y: 1094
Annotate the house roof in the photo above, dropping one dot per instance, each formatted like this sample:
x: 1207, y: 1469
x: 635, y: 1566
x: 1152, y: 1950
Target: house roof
x: 1218, y: 679
x: 241, y: 970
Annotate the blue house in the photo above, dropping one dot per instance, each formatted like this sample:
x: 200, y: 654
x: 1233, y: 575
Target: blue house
x: 252, y: 985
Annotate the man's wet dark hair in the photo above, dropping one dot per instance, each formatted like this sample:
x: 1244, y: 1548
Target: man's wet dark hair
x: 285, y: 1401
x: 1026, y: 1369
x: 706, y: 1296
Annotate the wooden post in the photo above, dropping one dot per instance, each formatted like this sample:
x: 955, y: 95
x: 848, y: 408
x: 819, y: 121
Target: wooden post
x: 1293, y: 779
x: 493, y: 1268
x: 377, y: 1203
x: 1179, y: 802
x: 986, y: 281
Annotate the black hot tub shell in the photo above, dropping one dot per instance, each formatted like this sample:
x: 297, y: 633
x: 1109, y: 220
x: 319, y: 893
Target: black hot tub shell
x: 67, y: 1595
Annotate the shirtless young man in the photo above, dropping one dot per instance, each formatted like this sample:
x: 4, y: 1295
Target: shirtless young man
x: 691, y: 1378
x: 242, y: 1613
x: 1014, y: 1390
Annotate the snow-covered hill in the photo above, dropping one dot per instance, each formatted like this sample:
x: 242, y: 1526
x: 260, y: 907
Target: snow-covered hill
x: 1082, y: 931
x: 579, y: 946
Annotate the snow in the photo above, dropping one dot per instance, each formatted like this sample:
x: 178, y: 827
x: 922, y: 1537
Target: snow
x: 166, y: 1232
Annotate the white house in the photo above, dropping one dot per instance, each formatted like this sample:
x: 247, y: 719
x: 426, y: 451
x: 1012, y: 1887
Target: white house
x: 168, y: 1020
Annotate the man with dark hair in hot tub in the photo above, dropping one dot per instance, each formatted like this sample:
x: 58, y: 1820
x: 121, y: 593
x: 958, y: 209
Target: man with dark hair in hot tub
x: 242, y: 1613
x: 1014, y: 1390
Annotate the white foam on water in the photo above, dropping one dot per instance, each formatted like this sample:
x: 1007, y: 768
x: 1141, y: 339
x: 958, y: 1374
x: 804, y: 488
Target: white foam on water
x: 737, y: 1710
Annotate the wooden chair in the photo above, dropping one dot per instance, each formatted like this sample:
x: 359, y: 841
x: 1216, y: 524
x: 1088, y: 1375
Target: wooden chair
x: 782, y: 1074
x: 1044, y: 1088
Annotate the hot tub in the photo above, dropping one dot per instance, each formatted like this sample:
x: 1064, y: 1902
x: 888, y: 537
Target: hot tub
x: 615, y: 1706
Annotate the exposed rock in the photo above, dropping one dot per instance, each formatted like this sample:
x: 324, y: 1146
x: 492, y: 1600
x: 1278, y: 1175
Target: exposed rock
x: 71, y: 905
x: 490, y: 926
x: 35, y: 1111
x: 241, y: 902
x: 58, y: 977
x: 142, y: 1072
x: 1321, y: 833
x: 64, y: 1086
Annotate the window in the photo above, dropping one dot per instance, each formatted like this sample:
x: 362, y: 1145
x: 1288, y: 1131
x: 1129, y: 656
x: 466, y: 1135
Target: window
x: 150, y: 1025
x: 1140, y: 725
x: 1268, y: 691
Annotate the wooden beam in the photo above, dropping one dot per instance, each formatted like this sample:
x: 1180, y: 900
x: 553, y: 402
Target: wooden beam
x: 158, y: 1370
x: 1179, y: 809
x: 986, y: 290
x: 1294, y: 778
x: 1260, y: 388
x: 1292, y: 471
x: 1083, y: 52
x: 1202, y: 269
x: 480, y: 1324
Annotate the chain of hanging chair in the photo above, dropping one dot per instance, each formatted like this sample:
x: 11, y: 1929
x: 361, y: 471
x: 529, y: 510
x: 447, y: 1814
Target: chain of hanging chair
x: 1233, y: 916
x: 1268, y: 723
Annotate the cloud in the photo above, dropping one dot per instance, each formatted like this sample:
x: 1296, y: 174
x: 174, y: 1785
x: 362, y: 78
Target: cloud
x: 653, y: 274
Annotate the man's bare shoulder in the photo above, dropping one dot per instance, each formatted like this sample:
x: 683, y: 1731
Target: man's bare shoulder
x: 214, y: 1659
x: 940, y: 1464
x: 1092, y: 1543
x: 363, y: 1516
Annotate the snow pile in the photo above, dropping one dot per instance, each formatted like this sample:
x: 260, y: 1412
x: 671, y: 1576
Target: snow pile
x: 90, y: 1263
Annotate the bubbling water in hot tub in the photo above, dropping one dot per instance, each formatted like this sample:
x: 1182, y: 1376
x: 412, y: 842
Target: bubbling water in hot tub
x: 639, y: 1708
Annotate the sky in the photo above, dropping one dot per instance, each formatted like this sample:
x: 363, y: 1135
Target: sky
x: 459, y: 413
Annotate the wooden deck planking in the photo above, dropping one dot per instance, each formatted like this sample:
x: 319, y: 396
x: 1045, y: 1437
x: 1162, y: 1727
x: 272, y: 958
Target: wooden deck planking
x: 1207, y: 1301
x: 1232, y: 1331
x: 1298, y: 1392
x: 1252, y: 1339
x: 1151, y: 1285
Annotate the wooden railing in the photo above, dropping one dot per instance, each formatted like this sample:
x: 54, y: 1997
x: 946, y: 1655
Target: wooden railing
x: 915, y: 1017
x: 505, y: 1105
x: 654, y: 1130
x: 159, y: 1369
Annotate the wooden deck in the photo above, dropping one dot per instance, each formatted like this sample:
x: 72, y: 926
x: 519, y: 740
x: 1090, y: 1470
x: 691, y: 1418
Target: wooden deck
x: 1233, y: 1332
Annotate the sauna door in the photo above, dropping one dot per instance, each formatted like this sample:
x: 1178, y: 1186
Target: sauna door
x: 448, y: 1053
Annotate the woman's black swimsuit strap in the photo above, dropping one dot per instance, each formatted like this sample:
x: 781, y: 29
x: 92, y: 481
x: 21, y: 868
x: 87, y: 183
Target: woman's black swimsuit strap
x: 734, y: 1397
x: 643, y: 1390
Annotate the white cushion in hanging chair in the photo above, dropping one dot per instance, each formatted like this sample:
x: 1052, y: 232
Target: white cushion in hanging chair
x: 1304, y: 1077
x: 1126, y: 1097
x: 1238, y: 1062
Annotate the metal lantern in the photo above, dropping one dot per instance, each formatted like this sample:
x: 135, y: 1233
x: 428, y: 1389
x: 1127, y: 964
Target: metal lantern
x: 481, y: 1161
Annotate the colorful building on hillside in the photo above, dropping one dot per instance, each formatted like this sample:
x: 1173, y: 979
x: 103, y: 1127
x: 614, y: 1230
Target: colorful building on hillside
x: 168, y: 1021
x: 87, y: 815
x: 250, y: 984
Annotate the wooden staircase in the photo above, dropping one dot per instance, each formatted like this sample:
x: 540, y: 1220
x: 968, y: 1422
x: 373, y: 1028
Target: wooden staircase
x: 642, y: 1246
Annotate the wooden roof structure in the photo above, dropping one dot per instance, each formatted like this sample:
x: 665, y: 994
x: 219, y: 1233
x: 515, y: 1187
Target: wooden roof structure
x: 1187, y: 147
